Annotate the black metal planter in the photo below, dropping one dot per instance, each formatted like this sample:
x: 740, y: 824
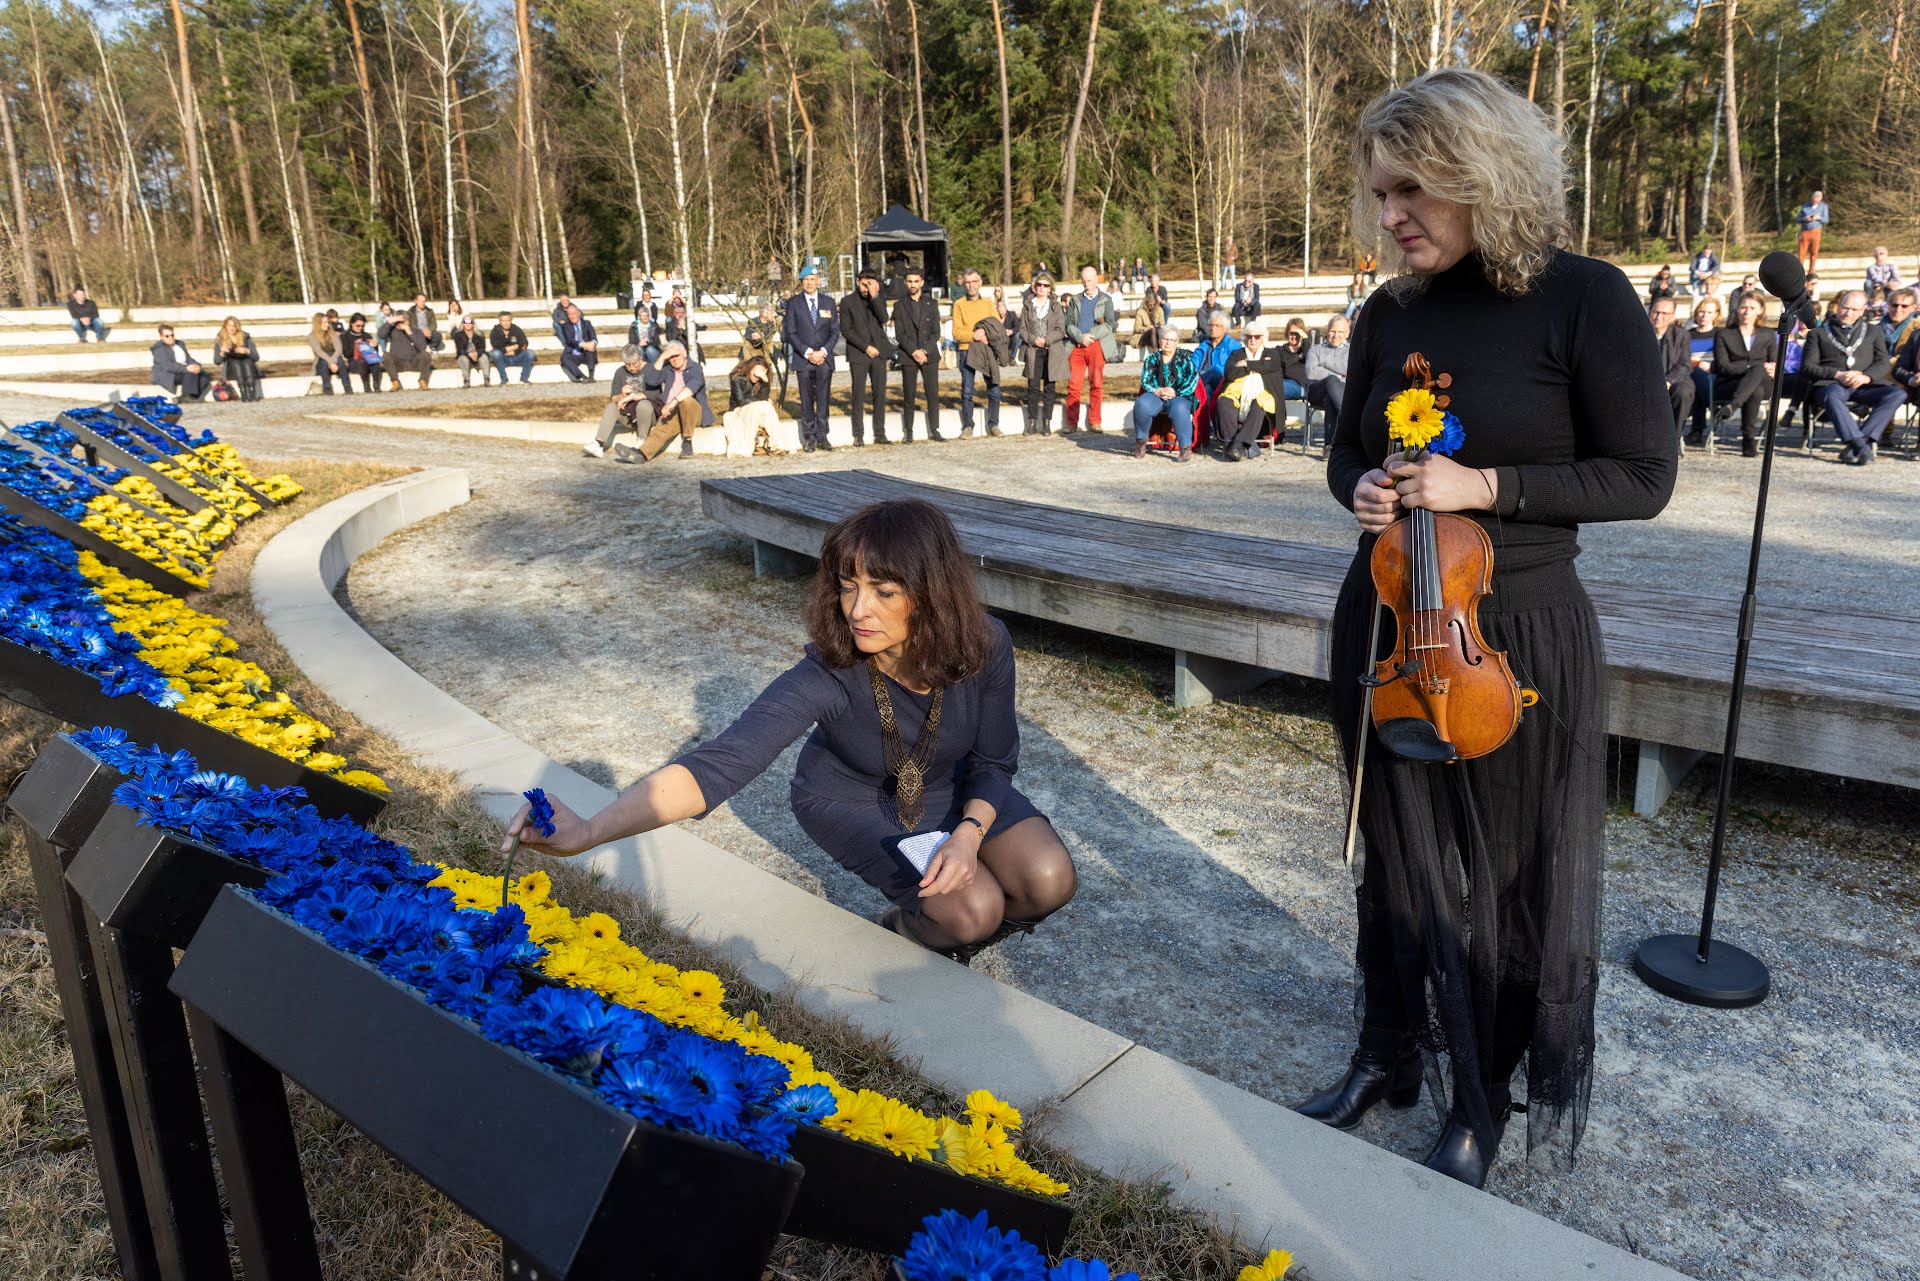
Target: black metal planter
x: 129, y: 416
x: 102, y: 449
x: 86, y: 540
x: 863, y: 1196
x: 575, y: 1187
x: 34, y: 680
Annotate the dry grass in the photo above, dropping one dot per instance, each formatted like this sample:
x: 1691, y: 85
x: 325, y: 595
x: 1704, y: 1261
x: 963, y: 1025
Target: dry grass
x: 373, y: 1218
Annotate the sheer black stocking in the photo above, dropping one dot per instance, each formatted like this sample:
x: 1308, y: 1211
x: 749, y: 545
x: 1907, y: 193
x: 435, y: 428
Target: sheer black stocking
x: 1025, y: 874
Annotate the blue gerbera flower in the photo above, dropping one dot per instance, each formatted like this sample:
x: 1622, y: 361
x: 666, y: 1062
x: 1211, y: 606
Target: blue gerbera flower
x: 1452, y: 436
x: 952, y: 1247
x: 653, y: 1089
x: 807, y: 1104
x: 1088, y: 1270
x: 539, y: 811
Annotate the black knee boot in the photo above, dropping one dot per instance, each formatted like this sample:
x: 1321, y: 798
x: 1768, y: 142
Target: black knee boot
x: 1370, y: 1077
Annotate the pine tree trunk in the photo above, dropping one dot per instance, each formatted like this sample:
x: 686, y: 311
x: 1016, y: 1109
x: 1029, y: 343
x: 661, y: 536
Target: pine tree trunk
x: 1539, y: 43
x: 1070, y: 156
x: 559, y: 217
x: 1736, y: 179
x: 373, y: 137
x: 190, y: 133
x: 242, y: 166
x: 1006, y: 148
x: 55, y: 149
x: 920, y: 108
x: 23, y: 234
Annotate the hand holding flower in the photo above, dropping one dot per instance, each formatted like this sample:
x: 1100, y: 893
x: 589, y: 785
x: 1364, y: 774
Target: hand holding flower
x: 1439, y: 484
x: 567, y: 834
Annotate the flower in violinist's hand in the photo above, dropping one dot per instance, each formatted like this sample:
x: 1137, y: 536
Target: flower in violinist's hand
x: 1452, y: 436
x: 1413, y: 419
x: 539, y: 811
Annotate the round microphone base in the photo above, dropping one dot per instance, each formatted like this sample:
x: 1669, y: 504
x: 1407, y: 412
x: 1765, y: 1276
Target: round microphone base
x: 1728, y: 979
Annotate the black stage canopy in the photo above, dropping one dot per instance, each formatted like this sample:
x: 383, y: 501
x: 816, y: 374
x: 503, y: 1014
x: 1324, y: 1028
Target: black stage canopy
x: 900, y: 238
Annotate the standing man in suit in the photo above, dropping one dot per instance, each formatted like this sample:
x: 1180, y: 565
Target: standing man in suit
x: 810, y: 334
x: 175, y: 370
x: 579, y: 346
x: 916, y: 331
x: 863, y: 319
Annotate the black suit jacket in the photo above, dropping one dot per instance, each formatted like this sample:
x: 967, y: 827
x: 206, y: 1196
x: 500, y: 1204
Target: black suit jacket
x: 1676, y: 350
x: 1826, y: 357
x: 1731, y: 355
x: 916, y: 326
x: 571, y: 335
x: 863, y: 321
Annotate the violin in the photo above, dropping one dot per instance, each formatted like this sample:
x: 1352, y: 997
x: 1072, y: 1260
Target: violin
x: 1442, y: 695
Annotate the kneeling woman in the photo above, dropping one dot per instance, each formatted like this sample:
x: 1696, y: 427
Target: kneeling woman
x: 908, y: 687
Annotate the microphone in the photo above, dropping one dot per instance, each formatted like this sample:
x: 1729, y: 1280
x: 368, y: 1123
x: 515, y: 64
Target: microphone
x: 1786, y: 280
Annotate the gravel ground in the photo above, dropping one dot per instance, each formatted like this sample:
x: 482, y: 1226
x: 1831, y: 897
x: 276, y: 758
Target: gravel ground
x: 1214, y: 922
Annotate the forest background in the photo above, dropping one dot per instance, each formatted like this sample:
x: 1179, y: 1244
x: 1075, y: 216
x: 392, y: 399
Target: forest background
x: 281, y: 150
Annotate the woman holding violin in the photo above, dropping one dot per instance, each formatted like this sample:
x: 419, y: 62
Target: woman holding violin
x: 1531, y: 370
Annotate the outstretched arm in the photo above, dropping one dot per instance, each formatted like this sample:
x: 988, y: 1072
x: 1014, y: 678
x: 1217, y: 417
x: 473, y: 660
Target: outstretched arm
x: 665, y: 796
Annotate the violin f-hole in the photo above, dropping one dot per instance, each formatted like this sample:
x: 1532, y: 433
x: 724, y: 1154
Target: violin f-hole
x: 1468, y: 651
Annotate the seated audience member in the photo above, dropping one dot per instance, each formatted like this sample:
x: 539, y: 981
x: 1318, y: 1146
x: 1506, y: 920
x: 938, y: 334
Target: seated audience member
x: 628, y: 408
x: 1247, y: 401
x: 383, y: 330
x: 364, y: 356
x: 645, y: 331
x: 1246, y: 302
x: 1661, y: 286
x: 1877, y: 304
x: 1169, y: 381
x: 85, y: 313
x: 1749, y: 284
x: 334, y: 322
x: 455, y: 314
x: 1898, y: 324
x: 1906, y: 366
x: 560, y: 306
x: 677, y: 387
x: 1702, y: 272
x: 1356, y: 294
x: 407, y: 352
x: 1743, y: 362
x: 1848, y: 364
x: 239, y: 358
x: 762, y: 336
x: 470, y: 353
x: 1675, y: 359
x: 1292, y: 355
x: 678, y: 329
x: 176, y: 370
x: 329, y: 355
x: 508, y: 342
x: 424, y: 326
x: 1881, y: 272
x: 579, y: 346
x: 1147, y: 321
x: 644, y: 307
x: 1327, y: 369
x: 1700, y: 332
x: 750, y: 387
x: 1203, y: 315
x: 1211, y: 356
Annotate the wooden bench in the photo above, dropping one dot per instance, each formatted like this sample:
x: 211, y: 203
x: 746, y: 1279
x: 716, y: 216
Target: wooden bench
x: 1236, y: 609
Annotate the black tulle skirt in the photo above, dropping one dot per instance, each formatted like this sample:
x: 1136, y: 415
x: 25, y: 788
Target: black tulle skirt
x: 1479, y: 897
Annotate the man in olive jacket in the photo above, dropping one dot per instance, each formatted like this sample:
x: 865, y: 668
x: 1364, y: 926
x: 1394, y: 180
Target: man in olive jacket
x: 916, y: 331
x: 1090, y: 323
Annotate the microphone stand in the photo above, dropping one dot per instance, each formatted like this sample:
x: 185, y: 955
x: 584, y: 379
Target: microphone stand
x: 1693, y: 967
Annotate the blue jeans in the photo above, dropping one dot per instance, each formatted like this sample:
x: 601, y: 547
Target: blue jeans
x: 523, y: 362
x: 1149, y: 407
x: 967, y: 373
x: 80, y: 328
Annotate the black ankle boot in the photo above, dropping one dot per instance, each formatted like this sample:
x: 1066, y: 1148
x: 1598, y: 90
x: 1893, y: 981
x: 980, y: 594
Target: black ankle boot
x: 1460, y: 1156
x: 1370, y: 1078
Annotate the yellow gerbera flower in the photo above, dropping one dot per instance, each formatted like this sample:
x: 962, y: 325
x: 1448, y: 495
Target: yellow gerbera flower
x: 1272, y: 1268
x: 906, y: 1131
x: 982, y: 1106
x: 858, y: 1116
x: 1413, y: 419
x: 701, y: 987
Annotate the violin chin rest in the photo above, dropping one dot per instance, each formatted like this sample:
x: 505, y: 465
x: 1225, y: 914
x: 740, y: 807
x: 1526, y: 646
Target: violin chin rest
x: 1416, y: 740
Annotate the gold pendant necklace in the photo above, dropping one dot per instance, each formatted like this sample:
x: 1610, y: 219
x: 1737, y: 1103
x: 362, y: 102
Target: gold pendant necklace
x: 906, y: 769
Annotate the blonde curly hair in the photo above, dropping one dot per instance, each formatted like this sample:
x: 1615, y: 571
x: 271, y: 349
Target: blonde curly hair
x: 1466, y: 137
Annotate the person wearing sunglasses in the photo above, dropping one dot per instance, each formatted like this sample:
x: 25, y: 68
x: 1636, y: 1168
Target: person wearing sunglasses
x: 1043, y: 341
x: 177, y: 371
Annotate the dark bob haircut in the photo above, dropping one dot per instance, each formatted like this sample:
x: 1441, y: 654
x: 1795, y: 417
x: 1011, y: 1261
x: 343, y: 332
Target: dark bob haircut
x: 910, y: 542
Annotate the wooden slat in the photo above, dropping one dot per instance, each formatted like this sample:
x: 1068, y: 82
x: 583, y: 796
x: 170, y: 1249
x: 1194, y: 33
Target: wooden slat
x: 1269, y: 603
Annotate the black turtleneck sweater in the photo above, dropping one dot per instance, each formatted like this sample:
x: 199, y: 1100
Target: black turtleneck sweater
x: 1560, y: 389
